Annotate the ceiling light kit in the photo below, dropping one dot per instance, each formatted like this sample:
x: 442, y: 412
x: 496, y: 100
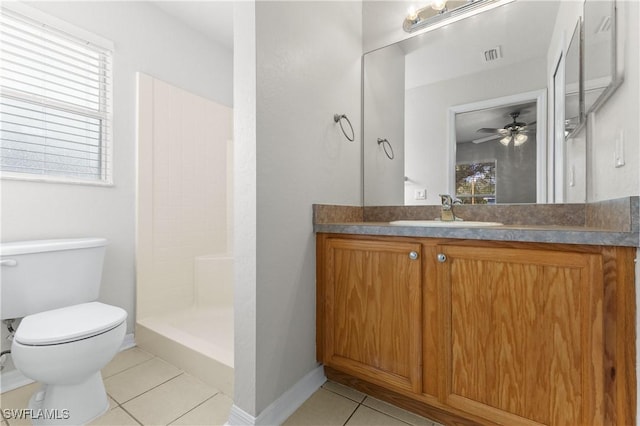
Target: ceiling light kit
x: 442, y: 12
x: 513, y: 132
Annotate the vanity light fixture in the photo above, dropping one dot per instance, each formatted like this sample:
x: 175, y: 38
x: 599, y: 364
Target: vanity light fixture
x: 439, y: 5
x: 442, y: 12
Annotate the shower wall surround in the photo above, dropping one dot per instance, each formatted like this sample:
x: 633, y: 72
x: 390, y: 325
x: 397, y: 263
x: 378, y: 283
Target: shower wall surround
x: 182, y: 194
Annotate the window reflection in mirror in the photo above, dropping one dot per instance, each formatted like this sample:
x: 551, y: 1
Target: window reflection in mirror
x: 476, y: 182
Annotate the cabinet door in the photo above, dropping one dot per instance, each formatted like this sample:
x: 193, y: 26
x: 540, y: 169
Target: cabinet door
x: 372, y: 311
x: 523, y: 334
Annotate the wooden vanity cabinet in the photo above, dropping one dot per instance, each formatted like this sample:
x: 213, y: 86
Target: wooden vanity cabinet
x: 488, y: 332
x: 371, y: 310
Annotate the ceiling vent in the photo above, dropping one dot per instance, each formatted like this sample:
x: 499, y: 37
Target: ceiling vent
x: 492, y: 54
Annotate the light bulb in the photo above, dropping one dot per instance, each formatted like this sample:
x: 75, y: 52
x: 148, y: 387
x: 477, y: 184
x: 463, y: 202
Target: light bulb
x: 505, y: 141
x: 438, y: 5
x: 412, y: 14
x: 520, y: 139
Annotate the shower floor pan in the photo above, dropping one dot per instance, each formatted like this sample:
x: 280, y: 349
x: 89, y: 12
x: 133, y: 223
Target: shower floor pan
x: 197, y: 340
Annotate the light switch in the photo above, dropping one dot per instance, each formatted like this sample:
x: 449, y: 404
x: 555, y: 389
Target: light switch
x: 420, y: 194
x: 572, y: 176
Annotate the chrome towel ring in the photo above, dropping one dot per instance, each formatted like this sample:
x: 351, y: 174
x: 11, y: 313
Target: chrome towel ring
x: 388, y: 149
x: 338, y: 119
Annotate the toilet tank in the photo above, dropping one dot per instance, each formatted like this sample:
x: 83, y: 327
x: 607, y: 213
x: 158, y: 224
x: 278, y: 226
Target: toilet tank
x: 40, y: 275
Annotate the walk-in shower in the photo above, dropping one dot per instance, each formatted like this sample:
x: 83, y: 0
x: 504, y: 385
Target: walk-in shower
x: 184, y: 300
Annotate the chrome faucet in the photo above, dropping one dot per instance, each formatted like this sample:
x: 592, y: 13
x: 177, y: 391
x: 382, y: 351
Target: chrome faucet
x: 446, y: 214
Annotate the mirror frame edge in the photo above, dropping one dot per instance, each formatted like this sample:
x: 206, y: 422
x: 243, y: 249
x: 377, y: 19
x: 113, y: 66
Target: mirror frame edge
x: 581, y: 93
x: 617, y: 74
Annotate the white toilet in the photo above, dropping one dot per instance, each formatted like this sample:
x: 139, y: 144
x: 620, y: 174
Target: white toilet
x: 65, y: 337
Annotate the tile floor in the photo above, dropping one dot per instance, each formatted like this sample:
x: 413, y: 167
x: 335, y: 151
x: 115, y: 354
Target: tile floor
x: 145, y: 390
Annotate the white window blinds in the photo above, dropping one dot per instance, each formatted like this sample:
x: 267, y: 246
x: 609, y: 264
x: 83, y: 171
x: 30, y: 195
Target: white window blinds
x: 55, y: 104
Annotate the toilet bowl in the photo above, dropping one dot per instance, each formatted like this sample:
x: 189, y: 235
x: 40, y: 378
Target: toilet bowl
x: 64, y: 349
x: 65, y: 336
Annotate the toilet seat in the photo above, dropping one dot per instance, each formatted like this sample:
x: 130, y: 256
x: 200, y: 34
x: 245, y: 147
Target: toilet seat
x: 68, y: 324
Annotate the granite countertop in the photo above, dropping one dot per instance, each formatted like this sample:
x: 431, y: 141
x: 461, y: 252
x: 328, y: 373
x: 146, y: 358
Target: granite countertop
x: 525, y: 233
x: 611, y: 222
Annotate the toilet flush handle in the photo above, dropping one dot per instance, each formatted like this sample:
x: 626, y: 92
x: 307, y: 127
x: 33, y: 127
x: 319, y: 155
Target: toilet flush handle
x: 8, y: 262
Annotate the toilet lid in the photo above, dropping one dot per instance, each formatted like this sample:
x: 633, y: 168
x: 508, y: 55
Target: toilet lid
x: 68, y: 324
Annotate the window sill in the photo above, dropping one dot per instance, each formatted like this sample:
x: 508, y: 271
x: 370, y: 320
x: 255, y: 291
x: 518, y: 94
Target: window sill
x: 52, y: 179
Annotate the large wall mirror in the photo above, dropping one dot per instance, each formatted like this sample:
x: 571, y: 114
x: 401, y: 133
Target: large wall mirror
x: 469, y: 96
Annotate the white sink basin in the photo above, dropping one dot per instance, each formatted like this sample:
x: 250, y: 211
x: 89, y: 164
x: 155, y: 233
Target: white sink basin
x: 444, y: 224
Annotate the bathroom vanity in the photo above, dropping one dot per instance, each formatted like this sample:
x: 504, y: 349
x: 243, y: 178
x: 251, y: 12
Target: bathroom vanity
x: 481, y: 327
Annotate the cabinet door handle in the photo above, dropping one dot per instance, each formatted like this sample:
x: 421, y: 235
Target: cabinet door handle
x: 413, y: 255
x: 8, y: 262
x: 442, y: 257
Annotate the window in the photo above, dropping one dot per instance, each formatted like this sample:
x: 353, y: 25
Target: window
x: 476, y: 182
x: 55, y: 106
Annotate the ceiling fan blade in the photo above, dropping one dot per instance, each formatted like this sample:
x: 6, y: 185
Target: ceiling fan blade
x: 486, y: 139
x: 488, y: 130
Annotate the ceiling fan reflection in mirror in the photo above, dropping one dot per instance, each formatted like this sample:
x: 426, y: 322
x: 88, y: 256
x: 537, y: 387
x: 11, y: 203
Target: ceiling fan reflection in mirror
x: 515, y: 132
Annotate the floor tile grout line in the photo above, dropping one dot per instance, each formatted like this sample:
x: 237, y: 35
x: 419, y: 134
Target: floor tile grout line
x: 130, y: 367
x: 193, y: 408
x: 394, y: 417
x: 375, y: 409
x: 151, y: 388
x: 391, y: 415
x: 354, y: 411
x: 131, y: 415
x: 344, y: 396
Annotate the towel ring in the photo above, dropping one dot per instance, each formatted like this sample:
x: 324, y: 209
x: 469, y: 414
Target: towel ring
x: 338, y: 119
x: 385, y: 143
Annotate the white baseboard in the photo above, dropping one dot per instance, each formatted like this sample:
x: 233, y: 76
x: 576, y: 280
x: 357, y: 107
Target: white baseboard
x: 237, y: 417
x: 283, y: 407
x: 128, y: 342
x: 14, y: 379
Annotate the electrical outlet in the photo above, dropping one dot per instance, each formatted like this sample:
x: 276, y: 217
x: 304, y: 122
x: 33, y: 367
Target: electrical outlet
x: 420, y: 194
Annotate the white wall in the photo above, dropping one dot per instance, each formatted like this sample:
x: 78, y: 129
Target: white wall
x: 244, y: 206
x: 621, y: 113
x: 383, y: 103
x: 382, y: 22
x: 307, y: 69
x: 146, y: 40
